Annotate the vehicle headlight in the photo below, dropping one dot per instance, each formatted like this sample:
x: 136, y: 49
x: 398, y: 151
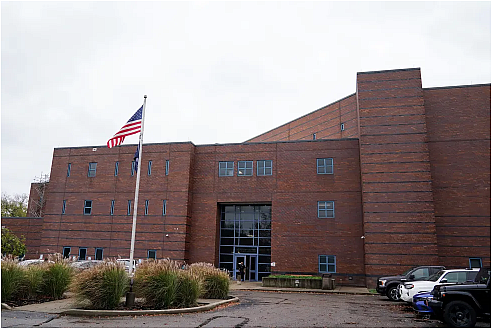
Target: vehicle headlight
x: 408, y: 286
x: 382, y: 282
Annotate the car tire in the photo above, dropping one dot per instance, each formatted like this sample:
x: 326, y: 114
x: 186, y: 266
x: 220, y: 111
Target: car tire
x: 459, y: 314
x: 393, y: 293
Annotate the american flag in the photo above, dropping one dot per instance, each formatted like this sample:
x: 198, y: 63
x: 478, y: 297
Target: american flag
x: 133, y: 126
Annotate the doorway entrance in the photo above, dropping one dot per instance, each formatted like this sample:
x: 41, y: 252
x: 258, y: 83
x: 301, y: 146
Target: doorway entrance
x: 251, y: 263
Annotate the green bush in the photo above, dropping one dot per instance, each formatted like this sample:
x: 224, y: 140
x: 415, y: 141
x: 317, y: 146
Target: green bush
x: 214, y: 282
x: 12, y: 280
x: 33, y: 281
x: 102, y: 285
x: 56, y: 278
x: 187, y: 291
x: 156, y: 282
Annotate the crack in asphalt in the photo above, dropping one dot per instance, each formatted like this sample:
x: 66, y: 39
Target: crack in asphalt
x: 44, y: 322
x: 239, y: 325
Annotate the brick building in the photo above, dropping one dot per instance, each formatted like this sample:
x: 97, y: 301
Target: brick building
x: 390, y: 177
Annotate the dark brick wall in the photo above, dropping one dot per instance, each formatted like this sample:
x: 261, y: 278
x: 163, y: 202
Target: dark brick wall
x: 458, y: 121
x: 166, y: 234
x: 29, y: 228
x: 325, y: 123
x: 395, y: 170
x: 298, y: 235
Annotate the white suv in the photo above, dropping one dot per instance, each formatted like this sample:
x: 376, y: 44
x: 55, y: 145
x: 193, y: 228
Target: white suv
x: 408, y: 289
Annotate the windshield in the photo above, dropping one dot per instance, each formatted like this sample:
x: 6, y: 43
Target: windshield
x: 405, y: 273
x: 436, y: 276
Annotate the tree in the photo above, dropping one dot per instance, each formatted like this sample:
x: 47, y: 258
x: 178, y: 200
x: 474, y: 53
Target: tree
x: 14, y: 206
x: 11, y: 244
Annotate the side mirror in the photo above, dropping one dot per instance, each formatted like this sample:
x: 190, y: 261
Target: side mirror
x: 444, y: 280
x: 411, y: 277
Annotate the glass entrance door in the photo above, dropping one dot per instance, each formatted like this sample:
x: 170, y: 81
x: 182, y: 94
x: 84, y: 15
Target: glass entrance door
x: 251, y: 263
x: 238, y: 259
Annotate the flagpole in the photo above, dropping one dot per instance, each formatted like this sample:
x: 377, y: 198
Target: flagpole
x: 137, y: 185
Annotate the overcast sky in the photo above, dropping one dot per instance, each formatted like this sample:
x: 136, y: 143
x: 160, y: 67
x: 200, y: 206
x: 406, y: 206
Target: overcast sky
x: 215, y: 72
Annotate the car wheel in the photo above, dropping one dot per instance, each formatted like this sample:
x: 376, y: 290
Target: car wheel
x: 459, y: 314
x: 393, y: 293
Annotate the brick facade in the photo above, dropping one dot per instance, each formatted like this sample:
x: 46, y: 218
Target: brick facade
x: 411, y: 186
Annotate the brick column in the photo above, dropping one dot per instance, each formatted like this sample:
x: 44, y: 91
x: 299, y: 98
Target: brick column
x: 398, y: 209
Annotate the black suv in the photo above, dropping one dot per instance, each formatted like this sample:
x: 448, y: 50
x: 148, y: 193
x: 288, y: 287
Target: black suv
x: 388, y: 285
x: 459, y: 305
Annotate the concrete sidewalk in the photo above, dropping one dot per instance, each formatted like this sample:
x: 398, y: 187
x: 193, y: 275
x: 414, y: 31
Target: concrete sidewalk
x: 67, y: 306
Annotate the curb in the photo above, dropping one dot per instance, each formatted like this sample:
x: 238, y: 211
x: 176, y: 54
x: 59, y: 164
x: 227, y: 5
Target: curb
x: 6, y: 307
x: 207, y: 307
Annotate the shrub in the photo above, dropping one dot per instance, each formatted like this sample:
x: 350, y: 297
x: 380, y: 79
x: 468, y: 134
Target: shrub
x: 214, y: 282
x: 102, y: 285
x: 56, y: 277
x: 33, y: 281
x: 156, y: 282
x: 188, y: 289
x: 12, y: 280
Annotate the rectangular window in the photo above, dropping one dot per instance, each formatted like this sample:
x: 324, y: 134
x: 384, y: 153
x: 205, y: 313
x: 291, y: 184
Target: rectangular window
x: 326, y: 209
x: 327, y: 264
x: 99, y: 254
x: 129, y: 208
x: 226, y: 168
x: 133, y: 168
x: 324, y: 166
x: 342, y: 126
x: 112, y: 208
x: 116, y: 168
x: 245, y: 168
x: 164, y: 207
x: 264, y: 167
x: 64, y: 206
x: 82, y: 253
x: 314, y: 136
x: 475, y: 262
x: 149, y: 168
x: 87, y: 207
x: 66, y: 252
x: 69, y: 169
x: 151, y: 254
x: 92, y: 169
x: 146, y: 207
x: 167, y: 167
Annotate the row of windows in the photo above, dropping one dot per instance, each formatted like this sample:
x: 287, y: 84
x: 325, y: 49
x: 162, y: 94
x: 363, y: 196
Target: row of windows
x: 91, y: 172
x: 98, y: 253
x: 88, y: 207
x: 265, y: 167
x: 326, y: 209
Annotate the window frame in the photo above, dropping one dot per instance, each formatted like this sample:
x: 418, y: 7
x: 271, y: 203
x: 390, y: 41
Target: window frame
x: 111, y: 211
x: 69, y: 169
x: 264, y: 167
x: 91, y: 172
x: 82, y: 248
x: 133, y: 168
x: 326, y: 209
x: 129, y: 208
x: 327, y: 263
x: 324, y: 166
x: 146, y: 212
x: 148, y: 254
x: 475, y: 258
x: 164, y: 207
x: 88, y: 207
x: 167, y: 167
x: 95, y: 253
x: 245, y: 168
x: 69, y: 251
x: 64, y: 207
x: 116, y: 168
x: 149, y: 168
x: 224, y: 172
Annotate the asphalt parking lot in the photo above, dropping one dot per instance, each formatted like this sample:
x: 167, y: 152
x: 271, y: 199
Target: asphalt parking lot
x: 256, y: 309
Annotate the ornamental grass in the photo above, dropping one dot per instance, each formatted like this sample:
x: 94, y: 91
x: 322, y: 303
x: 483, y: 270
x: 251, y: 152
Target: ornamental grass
x: 188, y: 289
x: 57, y: 276
x: 214, y: 281
x: 12, y: 279
x: 102, y: 286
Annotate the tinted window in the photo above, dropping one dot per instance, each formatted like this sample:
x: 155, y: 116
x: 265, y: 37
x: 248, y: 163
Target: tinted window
x: 421, y: 273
